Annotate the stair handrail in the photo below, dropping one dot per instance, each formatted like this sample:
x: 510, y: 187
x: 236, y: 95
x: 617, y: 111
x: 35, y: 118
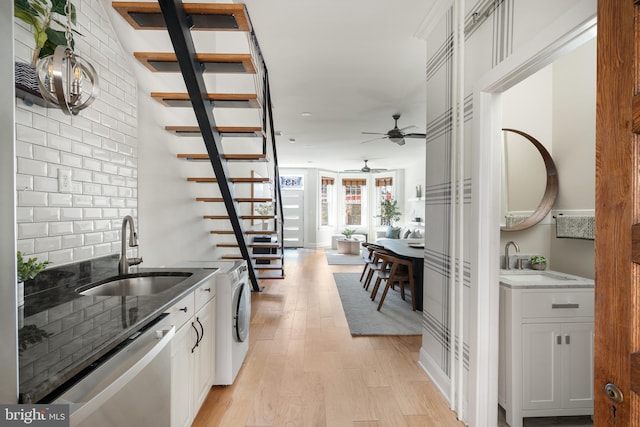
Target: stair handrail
x: 268, y: 120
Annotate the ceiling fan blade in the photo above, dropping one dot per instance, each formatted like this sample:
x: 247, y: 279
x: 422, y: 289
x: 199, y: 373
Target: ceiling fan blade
x: 373, y: 133
x: 415, y: 135
x: 406, y: 127
x: 374, y: 139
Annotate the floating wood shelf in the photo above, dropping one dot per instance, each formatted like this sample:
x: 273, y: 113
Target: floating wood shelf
x: 219, y: 100
x: 225, y: 131
x: 204, y: 16
x: 215, y: 63
x: 230, y: 157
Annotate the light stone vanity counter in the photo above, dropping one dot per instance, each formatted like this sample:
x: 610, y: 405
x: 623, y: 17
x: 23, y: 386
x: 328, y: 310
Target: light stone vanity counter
x: 542, y: 279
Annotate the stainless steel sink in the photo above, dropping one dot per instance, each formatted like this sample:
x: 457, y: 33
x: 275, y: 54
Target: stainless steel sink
x: 136, y: 284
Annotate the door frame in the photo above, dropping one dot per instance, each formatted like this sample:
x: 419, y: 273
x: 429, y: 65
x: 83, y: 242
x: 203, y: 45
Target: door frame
x: 570, y: 30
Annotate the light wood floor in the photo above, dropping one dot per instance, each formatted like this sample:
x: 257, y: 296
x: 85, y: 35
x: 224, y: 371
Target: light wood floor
x: 305, y: 369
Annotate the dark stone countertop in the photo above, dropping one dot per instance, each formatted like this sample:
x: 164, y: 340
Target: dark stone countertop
x: 62, y: 332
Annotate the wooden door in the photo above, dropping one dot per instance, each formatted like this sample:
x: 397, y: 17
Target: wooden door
x: 617, y: 313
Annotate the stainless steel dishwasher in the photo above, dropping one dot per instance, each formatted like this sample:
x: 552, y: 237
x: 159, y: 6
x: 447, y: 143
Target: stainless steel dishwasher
x: 131, y: 388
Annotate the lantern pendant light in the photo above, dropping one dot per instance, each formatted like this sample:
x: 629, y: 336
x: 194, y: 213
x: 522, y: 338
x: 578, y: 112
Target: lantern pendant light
x: 64, y: 78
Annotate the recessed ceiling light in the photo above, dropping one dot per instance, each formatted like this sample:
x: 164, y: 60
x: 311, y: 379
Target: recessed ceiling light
x: 306, y: 114
x: 292, y: 141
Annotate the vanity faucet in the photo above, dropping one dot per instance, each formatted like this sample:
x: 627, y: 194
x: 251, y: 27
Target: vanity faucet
x: 506, y: 255
x: 125, y: 263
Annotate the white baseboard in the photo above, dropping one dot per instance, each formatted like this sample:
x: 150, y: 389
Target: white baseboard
x: 439, y: 378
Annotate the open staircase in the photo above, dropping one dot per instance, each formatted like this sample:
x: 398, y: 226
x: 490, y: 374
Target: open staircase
x: 236, y: 227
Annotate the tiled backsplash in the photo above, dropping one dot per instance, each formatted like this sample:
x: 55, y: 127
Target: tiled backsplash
x: 98, y: 146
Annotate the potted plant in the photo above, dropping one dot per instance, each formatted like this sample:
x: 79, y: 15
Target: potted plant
x: 538, y: 262
x: 41, y: 15
x: 264, y: 209
x: 27, y: 270
x: 348, y: 232
x: 389, y: 212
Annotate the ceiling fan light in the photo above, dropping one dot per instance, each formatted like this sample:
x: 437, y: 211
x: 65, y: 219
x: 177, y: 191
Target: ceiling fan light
x: 396, y: 139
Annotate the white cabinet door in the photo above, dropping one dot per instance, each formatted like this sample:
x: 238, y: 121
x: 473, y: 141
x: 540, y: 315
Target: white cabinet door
x: 203, y: 356
x: 181, y: 376
x: 577, y: 366
x: 541, y: 371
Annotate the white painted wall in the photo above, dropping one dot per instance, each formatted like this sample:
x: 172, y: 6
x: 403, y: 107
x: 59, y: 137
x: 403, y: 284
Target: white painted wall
x: 574, y: 106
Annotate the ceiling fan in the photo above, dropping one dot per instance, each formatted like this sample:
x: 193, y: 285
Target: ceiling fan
x: 365, y: 169
x: 396, y: 135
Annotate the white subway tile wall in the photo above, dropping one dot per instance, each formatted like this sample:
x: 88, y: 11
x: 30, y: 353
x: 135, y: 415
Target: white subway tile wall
x: 99, y: 146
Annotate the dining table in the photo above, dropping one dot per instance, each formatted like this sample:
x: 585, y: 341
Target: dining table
x: 412, y: 250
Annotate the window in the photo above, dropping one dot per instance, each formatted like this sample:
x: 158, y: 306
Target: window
x: 354, y: 188
x: 326, y: 196
x: 384, y: 191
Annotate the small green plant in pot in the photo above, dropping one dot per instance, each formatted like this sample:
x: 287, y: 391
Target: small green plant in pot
x: 264, y: 209
x: 27, y: 270
x: 538, y: 262
x: 348, y: 232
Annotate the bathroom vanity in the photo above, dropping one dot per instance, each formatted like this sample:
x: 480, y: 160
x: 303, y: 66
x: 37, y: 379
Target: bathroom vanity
x: 546, y: 345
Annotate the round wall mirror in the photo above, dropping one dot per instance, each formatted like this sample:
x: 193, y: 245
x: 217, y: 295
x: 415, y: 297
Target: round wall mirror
x: 522, y: 187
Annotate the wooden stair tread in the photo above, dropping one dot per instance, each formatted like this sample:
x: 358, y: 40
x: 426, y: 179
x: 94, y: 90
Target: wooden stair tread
x: 246, y: 232
x: 241, y: 216
x: 251, y: 245
x: 255, y: 256
x: 272, y: 266
x: 237, y: 199
x: 221, y: 100
x: 270, y: 276
x: 207, y: 179
x: 230, y: 157
x: 215, y: 63
x: 225, y: 131
x: 205, y: 16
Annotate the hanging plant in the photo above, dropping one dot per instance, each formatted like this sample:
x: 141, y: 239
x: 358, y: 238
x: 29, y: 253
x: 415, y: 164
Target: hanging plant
x: 41, y: 15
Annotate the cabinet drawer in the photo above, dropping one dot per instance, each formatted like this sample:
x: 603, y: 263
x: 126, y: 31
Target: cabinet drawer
x: 205, y: 292
x: 557, y: 304
x: 182, y: 310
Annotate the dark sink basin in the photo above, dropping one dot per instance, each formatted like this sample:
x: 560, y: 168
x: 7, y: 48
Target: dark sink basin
x: 136, y: 284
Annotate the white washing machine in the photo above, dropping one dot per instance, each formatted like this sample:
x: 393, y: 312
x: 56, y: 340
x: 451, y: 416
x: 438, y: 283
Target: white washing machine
x: 233, y: 316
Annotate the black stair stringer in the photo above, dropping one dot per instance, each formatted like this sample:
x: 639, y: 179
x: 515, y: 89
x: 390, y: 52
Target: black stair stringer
x: 178, y: 24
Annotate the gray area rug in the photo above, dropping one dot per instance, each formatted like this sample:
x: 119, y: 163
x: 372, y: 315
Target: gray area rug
x: 334, y: 258
x: 395, y: 317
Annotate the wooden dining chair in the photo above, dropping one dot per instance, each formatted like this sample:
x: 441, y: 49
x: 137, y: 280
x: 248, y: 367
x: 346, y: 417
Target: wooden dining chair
x: 375, y: 266
x: 394, y: 270
x: 368, y: 260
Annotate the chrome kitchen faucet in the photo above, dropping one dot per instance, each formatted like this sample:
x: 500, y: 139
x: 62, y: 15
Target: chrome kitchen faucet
x: 125, y: 263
